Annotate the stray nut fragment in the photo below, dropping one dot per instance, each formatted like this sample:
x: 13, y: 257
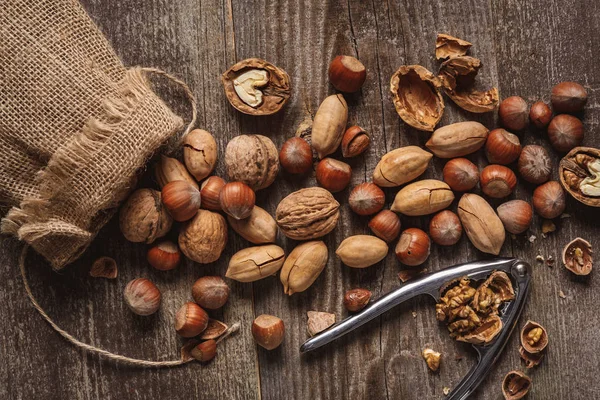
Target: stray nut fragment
x: 449, y: 46
x: 400, y: 166
x: 268, y: 331
x: 457, y: 140
x: 258, y: 228
x: 256, y: 87
x: 347, y: 74
x: 319, y: 321
x: 457, y: 75
x: 104, y: 267
x: 577, y: 256
x: 303, y: 266
x: 356, y: 299
x: 515, y: 385
x: 417, y: 97
x: 307, y: 214
x: 408, y: 274
x: 534, y: 164
x: 548, y: 226
x: 579, y: 173
x: 214, y: 329
x: 142, y: 296
x: 482, y: 226
x: 534, y: 338
x: 432, y: 358
x: 143, y: 217
x: 423, y: 197
x: 385, y: 225
x: 253, y: 160
x: 329, y: 125
x: 361, y: 251
x: 204, y: 237
x: 355, y: 141
x: 199, y: 153
x: 254, y: 263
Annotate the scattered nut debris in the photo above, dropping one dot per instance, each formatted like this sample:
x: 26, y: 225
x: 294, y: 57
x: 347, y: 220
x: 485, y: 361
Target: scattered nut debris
x: 104, y: 267
x: 186, y: 350
x: 550, y: 261
x: 432, y: 358
x: 577, y: 256
x: 565, y: 215
x: 532, y: 238
x: 319, y: 321
x: 414, y: 314
x: 539, y: 258
x: 562, y: 294
x: 446, y: 390
x: 408, y: 274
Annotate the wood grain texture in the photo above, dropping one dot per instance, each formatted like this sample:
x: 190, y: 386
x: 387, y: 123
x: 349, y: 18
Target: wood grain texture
x: 526, y: 48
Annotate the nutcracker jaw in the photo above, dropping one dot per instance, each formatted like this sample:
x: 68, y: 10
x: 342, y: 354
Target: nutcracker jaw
x: 434, y: 284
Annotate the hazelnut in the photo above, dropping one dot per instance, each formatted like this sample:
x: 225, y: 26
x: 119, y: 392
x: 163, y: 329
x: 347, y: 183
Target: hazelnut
x: 237, y: 200
x: 190, y: 320
x: 514, y: 113
x: 385, y: 225
x: 142, y: 296
x: 534, y: 338
x: 366, y: 199
x: 516, y: 216
x: 577, y: 256
x: 164, y: 256
x: 502, y: 147
x: 209, y: 193
x: 170, y: 169
x: 355, y: 141
x: 347, y: 74
x: 356, y: 299
x: 445, y: 228
x: 143, y: 217
x: 210, y: 292
x: 296, y: 156
x: 181, y: 199
x: 540, y: 114
x: 549, y: 200
x: 268, y: 331
x: 515, y: 385
x: 568, y: 97
x: 333, y: 175
x: 534, y: 164
x: 498, y: 181
x: 104, y: 267
x: 256, y: 87
x: 413, y: 247
x: 461, y: 174
x: 205, y: 351
x: 199, y: 153
x: 565, y: 132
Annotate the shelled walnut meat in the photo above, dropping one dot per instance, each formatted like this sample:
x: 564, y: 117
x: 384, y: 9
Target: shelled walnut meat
x: 579, y: 173
x: 256, y: 87
x: 253, y: 160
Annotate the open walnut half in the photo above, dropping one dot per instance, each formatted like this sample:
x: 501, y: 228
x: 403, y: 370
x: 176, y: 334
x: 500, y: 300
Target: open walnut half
x: 515, y: 385
x: 579, y: 173
x: 493, y: 292
x: 457, y: 76
x: 417, y: 96
x: 256, y: 87
x: 450, y: 46
x: 577, y: 256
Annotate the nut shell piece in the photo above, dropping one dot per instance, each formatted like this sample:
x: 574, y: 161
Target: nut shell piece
x: 307, y: 214
x: 356, y: 299
x: 423, y: 197
x: 450, y: 46
x: 303, y: 266
x: 274, y: 92
x: 515, y: 385
x: 534, y: 338
x: 253, y: 160
x: 417, y: 97
x: 577, y: 256
x: 318, y: 321
x: 484, y: 333
x: 204, y: 237
x: 457, y: 140
x: 104, y: 267
x: 579, y: 173
x: 400, y: 166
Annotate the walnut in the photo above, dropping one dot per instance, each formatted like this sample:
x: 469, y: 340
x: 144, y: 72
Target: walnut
x: 577, y: 256
x: 579, y: 173
x: 493, y: 292
x: 204, y: 237
x: 484, y: 333
x: 253, y: 160
x: 143, y: 217
x: 432, y: 358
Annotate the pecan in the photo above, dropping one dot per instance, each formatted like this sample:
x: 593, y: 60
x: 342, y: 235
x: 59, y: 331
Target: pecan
x: 423, y: 197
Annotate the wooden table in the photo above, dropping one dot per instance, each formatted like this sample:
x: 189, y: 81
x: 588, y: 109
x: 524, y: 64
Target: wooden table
x: 526, y: 48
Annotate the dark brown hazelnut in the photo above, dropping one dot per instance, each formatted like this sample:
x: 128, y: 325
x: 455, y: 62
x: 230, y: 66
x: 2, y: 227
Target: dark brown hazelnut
x: 347, y: 74
x: 333, y: 175
x: 568, y: 97
x: 549, y: 200
x: 445, y: 228
x: 534, y: 164
x: 565, y: 132
x: 498, y: 181
x: 540, y: 114
x: 355, y: 141
x: 461, y: 174
x: 356, y: 299
x: 296, y: 156
x: 385, y: 225
x: 516, y: 216
x: 502, y: 147
x: 413, y: 247
x: 514, y: 113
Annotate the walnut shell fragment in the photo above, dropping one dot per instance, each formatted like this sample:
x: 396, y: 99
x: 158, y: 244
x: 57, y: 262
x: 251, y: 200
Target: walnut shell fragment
x: 319, y: 321
x: 256, y: 87
x: 484, y: 333
x: 457, y: 76
x: 496, y: 289
x: 534, y: 338
x: 450, y: 46
x: 577, y: 256
x: 307, y: 214
x: 417, y: 97
x: 579, y: 173
x: 104, y: 267
x: 515, y: 385
x: 531, y: 359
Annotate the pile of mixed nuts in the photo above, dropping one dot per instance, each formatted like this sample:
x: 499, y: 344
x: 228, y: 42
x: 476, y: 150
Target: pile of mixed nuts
x: 252, y: 162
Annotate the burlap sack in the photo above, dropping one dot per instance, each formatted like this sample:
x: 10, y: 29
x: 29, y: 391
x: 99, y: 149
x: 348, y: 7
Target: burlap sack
x: 75, y: 126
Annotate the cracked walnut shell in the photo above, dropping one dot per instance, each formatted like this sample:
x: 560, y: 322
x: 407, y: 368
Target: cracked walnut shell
x: 494, y: 291
x: 256, y: 87
x: 579, y: 173
x: 534, y: 338
x: 577, y: 256
x: 515, y: 385
x: 307, y: 214
x: 449, y: 46
x: 417, y: 97
x: 253, y: 160
x: 204, y: 237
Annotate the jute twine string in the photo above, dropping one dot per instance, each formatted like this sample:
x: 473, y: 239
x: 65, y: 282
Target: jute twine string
x: 96, y: 350
x: 188, y: 92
